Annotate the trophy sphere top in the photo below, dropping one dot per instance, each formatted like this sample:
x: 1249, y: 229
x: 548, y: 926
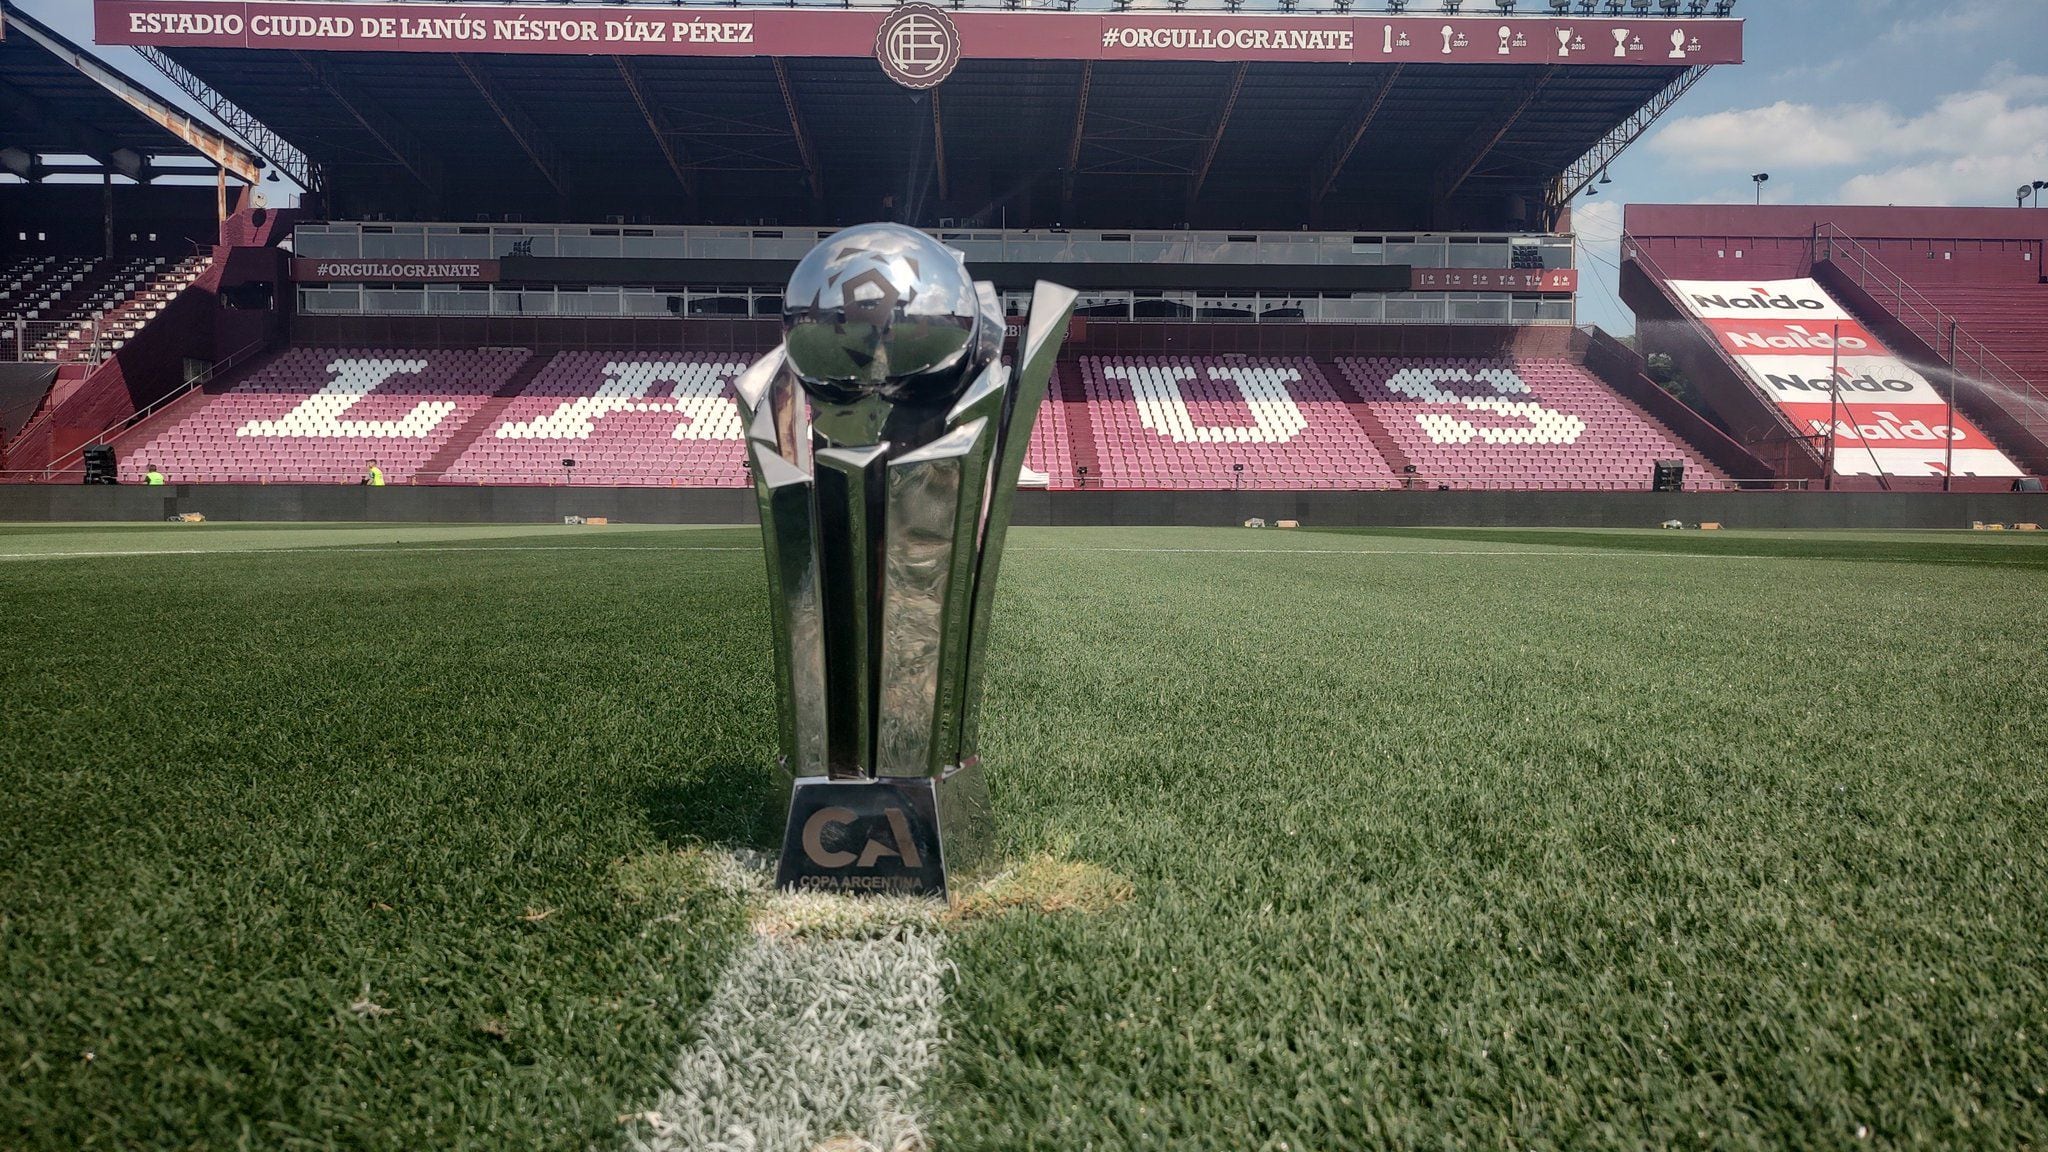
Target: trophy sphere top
x: 880, y: 309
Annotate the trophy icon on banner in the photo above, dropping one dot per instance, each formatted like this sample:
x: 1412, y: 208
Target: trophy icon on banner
x: 885, y: 436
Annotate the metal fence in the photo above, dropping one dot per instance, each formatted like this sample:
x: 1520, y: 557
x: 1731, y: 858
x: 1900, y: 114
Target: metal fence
x: 83, y: 341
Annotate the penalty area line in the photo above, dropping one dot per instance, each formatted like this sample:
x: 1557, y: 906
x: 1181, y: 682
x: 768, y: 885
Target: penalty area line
x: 810, y: 1041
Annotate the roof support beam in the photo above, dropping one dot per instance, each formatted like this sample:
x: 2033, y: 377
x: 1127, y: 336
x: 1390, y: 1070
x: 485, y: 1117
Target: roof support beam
x: 281, y: 153
x: 812, y: 172
x: 524, y: 132
x: 388, y: 133
x: 1492, y: 130
x: 1593, y: 163
x: 90, y: 141
x: 224, y: 153
x: 939, y: 146
x: 1201, y: 175
x: 1331, y: 165
x: 1073, y: 167
x: 658, y: 123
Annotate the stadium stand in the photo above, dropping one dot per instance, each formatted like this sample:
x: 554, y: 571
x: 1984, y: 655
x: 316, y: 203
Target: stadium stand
x: 2007, y: 319
x: 1050, y: 453
x: 1224, y: 422
x: 625, y: 418
x: 628, y: 418
x: 1934, y: 284
x: 71, y: 309
x: 317, y: 415
x: 1542, y: 423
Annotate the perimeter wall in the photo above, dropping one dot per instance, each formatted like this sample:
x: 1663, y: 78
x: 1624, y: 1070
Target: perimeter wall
x: 328, y: 503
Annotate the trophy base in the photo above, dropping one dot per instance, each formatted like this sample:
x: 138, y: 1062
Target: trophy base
x: 895, y: 836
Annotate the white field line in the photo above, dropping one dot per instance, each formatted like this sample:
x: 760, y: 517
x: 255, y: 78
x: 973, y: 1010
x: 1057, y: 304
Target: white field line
x: 1557, y: 552
x: 258, y: 550
x: 809, y: 1039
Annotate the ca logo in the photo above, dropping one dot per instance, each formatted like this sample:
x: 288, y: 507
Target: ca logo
x: 904, y: 848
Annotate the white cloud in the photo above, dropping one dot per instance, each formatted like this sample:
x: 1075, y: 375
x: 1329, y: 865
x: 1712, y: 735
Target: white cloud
x: 1778, y: 134
x: 1966, y: 149
x: 1925, y: 24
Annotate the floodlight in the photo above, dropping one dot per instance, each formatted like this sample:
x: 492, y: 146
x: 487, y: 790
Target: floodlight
x: 1560, y: 7
x: 1605, y: 178
x: 1507, y: 7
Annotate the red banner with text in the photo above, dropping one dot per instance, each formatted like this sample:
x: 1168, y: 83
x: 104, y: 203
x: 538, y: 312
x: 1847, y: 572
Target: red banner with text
x: 1838, y: 385
x: 310, y: 271
x: 641, y: 30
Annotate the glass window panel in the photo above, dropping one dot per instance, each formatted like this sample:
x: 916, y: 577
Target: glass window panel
x: 395, y: 245
x: 394, y: 301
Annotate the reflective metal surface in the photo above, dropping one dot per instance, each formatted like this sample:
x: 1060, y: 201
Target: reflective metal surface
x: 879, y: 308
x: 933, y: 512
x: 886, y: 437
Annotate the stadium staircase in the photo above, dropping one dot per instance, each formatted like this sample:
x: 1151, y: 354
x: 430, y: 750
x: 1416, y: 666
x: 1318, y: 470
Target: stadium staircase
x: 1368, y: 421
x: 1080, y: 430
x: 486, y: 419
x: 132, y: 375
x: 1663, y: 322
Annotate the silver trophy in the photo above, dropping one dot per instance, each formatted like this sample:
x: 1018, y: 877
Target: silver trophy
x: 885, y: 437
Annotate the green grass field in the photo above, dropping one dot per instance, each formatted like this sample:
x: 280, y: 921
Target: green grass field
x: 367, y: 837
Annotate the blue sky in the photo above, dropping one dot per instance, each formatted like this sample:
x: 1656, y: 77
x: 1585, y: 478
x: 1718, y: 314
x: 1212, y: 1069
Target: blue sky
x: 1841, y: 101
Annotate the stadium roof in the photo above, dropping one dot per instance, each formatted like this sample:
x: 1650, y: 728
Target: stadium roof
x: 1044, y: 120
x: 58, y: 101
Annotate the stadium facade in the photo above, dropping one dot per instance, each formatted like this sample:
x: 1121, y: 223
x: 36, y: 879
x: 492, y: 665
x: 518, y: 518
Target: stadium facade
x: 1316, y: 250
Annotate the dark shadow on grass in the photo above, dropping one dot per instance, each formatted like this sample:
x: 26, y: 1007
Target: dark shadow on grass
x: 733, y: 805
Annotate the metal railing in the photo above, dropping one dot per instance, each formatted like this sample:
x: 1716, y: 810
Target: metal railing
x: 63, y: 465
x: 1967, y: 356
x: 455, y: 241
x: 766, y: 304
x: 86, y: 340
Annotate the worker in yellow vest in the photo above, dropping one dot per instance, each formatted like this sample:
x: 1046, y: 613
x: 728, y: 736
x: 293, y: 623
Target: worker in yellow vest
x: 376, y: 477
x: 153, y: 478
